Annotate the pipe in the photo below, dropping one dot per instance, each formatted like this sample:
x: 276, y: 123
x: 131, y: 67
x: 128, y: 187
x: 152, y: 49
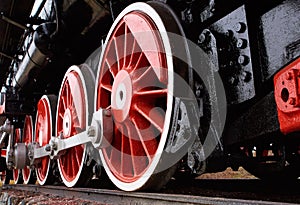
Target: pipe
x: 7, y: 56
x: 33, y: 58
x: 8, y: 20
x: 58, y: 11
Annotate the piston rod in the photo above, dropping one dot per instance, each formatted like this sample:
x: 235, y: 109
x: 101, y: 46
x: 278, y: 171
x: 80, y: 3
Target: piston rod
x: 95, y: 134
x: 57, y: 145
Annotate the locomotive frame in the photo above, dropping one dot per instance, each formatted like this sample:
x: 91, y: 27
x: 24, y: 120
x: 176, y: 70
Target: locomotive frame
x: 144, y: 91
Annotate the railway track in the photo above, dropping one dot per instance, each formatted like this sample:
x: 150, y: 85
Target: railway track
x: 205, y: 192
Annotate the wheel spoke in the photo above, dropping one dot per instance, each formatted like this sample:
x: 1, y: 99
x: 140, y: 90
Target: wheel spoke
x: 143, y: 76
x: 126, y: 41
x: 67, y: 93
x: 153, y: 93
x: 139, y: 152
x: 110, y: 68
x: 126, y: 162
x: 106, y: 87
x: 64, y: 103
x: 135, y: 49
x: 155, y: 116
x: 70, y: 166
x: 139, y: 62
x: 147, y: 138
x: 115, y: 153
x: 118, y: 49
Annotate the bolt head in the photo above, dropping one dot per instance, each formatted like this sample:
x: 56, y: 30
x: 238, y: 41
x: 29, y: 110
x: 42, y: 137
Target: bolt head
x: 48, y: 148
x: 233, y: 81
x: 243, y: 60
x: 292, y: 101
x: 107, y: 113
x: 289, y: 75
x: 202, y: 38
x: 246, y: 76
x: 241, y: 43
x: 91, y: 132
x: 240, y: 27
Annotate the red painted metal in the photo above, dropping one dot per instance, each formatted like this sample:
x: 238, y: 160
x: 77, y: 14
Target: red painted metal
x: 16, y: 172
x: 2, y: 108
x: 43, y: 134
x: 27, y: 138
x: 71, y: 120
x: 287, y: 97
x: 3, y: 176
x: 133, y: 84
x: 3, y: 153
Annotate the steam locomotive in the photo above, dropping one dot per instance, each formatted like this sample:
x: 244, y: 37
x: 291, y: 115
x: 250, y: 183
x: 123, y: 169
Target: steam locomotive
x: 139, y: 92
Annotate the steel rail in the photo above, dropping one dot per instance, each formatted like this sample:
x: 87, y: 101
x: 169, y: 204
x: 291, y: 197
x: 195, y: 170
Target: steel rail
x: 107, y: 196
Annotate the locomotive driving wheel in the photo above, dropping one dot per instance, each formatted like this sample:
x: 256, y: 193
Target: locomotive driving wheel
x: 44, y: 129
x: 72, y: 117
x: 135, y: 81
x: 27, y: 173
x: 17, y: 176
x: 5, y: 176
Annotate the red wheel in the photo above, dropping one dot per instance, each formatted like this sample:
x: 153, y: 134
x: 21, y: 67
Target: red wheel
x: 135, y: 80
x: 28, y: 138
x: 3, y: 177
x: 44, y: 129
x: 72, y: 118
x: 17, y: 177
x: 6, y: 176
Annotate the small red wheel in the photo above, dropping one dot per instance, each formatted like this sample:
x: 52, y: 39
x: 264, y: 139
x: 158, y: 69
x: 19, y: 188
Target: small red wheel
x: 17, y: 177
x: 6, y: 176
x: 28, y: 138
x: 44, y: 129
x: 135, y: 81
x: 72, y: 117
x: 3, y: 177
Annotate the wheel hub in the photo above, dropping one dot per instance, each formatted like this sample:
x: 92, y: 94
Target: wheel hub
x: 67, y: 123
x: 121, y: 96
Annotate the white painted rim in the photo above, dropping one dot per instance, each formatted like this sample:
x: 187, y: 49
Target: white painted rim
x: 30, y: 171
x: 42, y: 182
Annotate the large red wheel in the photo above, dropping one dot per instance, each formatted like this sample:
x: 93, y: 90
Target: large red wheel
x: 72, y: 117
x: 17, y: 177
x: 27, y: 173
x: 136, y: 81
x: 44, y: 129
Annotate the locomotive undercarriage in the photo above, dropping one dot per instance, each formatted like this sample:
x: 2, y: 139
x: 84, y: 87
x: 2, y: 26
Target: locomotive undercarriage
x: 177, y: 89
